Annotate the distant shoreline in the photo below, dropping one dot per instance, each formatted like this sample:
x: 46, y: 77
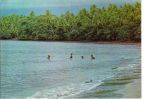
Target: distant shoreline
x: 82, y: 41
x: 112, y: 23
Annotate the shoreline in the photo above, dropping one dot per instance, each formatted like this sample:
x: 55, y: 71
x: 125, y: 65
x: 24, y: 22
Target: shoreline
x: 123, y: 86
x: 131, y: 90
x: 68, y: 41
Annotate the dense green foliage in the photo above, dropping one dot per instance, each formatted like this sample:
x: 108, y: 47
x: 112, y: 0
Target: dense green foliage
x: 112, y: 23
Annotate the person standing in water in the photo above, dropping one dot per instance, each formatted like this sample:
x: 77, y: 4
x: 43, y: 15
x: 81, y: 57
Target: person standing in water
x: 48, y: 57
x: 71, y: 56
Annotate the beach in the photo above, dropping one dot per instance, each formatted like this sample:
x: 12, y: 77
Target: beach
x: 126, y: 83
x: 132, y: 90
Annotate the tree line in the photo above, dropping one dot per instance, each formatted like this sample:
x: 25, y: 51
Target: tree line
x: 111, y: 23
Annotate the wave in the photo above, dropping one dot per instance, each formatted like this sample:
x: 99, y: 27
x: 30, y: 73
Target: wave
x: 65, y: 91
x: 128, y: 67
x: 72, y: 90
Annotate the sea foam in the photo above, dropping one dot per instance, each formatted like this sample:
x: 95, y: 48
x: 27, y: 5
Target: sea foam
x: 65, y: 91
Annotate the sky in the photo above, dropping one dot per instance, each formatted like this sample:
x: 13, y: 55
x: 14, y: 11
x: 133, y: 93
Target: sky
x: 24, y: 7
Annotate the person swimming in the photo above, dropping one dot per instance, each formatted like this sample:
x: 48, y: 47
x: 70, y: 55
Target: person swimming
x: 92, y: 57
x: 48, y: 57
x: 90, y: 81
x: 71, y: 56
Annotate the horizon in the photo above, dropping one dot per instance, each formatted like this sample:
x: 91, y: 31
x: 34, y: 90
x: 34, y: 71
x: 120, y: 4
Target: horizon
x: 56, y: 7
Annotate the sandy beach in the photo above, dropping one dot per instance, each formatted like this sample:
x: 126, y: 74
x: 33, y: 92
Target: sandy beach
x: 132, y: 90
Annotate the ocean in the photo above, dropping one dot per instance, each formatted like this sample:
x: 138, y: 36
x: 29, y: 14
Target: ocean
x: 27, y: 73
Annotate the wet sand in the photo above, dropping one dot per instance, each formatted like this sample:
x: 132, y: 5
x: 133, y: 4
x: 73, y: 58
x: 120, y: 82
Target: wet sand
x: 132, y: 90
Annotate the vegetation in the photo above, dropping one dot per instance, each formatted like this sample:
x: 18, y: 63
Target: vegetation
x: 112, y: 23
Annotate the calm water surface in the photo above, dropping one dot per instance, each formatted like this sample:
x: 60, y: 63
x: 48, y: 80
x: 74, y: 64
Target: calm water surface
x: 26, y: 71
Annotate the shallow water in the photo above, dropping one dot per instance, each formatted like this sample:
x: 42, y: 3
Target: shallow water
x: 26, y: 72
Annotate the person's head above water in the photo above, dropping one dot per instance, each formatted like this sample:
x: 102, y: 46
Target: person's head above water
x: 82, y: 57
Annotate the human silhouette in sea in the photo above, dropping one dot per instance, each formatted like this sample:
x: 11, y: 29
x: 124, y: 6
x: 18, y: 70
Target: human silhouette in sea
x: 92, y: 57
x: 82, y: 57
x: 48, y: 57
x: 71, y: 55
x: 90, y: 81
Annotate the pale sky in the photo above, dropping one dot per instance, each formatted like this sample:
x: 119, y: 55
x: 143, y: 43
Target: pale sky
x: 7, y: 5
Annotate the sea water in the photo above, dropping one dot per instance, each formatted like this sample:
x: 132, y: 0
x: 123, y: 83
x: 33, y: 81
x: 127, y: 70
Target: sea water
x: 27, y: 73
